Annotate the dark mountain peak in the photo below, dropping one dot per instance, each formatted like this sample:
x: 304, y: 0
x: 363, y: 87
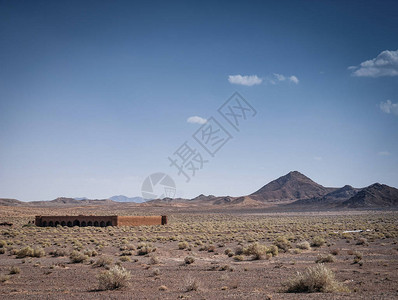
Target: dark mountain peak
x: 375, y: 195
x: 291, y: 186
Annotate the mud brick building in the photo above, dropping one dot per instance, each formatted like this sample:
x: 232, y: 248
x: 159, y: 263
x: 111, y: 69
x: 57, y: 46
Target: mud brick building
x: 99, y: 221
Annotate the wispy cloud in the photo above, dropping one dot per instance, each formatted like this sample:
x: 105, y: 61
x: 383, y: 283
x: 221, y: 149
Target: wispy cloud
x: 384, y: 153
x: 294, y: 79
x: 276, y: 78
x: 389, y: 108
x: 196, y: 120
x: 385, y: 64
x: 247, y: 80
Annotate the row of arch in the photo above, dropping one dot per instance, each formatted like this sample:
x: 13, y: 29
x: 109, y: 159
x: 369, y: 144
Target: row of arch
x: 76, y: 223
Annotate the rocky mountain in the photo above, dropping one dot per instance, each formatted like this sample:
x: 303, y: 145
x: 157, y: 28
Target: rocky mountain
x: 10, y: 202
x: 333, y: 198
x: 375, y: 195
x: 292, y: 186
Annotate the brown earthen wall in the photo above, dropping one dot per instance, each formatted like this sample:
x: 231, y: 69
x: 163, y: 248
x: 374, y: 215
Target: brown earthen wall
x: 99, y: 221
x: 136, y: 221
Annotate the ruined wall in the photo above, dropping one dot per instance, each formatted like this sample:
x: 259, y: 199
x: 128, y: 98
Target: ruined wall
x: 99, y: 221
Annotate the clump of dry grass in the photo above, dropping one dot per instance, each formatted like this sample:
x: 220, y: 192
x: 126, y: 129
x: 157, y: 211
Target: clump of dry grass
x: 77, y: 257
x: 317, y: 279
x: 58, y: 252
x: 318, y: 241
x: 15, y: 270
x: 191, y: 284
x: 189, y: 260
x: 325, y: 258
x: 183, y: 245
x: 28, y: 251
x: 304, y: 245
x: 115, y: 278
x: 282, y: 243
x: 103, y: 261
x: 256, y: 250
x: 4, y: 278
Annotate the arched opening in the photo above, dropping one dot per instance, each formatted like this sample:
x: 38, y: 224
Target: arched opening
x: 89, y: 223
x: 102, y: 224
x: 76, y: 223
x: 63, y: 223
x: 69, y: 224
x: 83, y: 224
x: 44, y: 224
x: 96, y: 224
x: 109, y: 223
x: 56, y: 223
x: 51, y: 224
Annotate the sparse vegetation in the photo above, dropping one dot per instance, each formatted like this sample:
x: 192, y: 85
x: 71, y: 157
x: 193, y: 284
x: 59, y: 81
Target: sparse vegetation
x: 318, y: 241
x: 77, y: 257
x: 15, y: 270
x: 282, y: 243
x: 191, y: 284
x: 325, y: 259
x: 304, y: 245
x: 189, y: 260
x: 317, y: 279
x: 115, y: 278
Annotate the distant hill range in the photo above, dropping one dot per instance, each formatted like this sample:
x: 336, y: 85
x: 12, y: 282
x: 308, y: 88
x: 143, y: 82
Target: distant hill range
x: 293, y: 191
x: 122, y: 198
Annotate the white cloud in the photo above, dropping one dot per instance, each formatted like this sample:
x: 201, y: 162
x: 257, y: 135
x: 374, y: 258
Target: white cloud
x: 384, y: 153
x: 196, y: 120
x: 294, y: 79
x: 385, y: 64
x: 279, y: 78
x: 389, y: 108
x: 247, y: 80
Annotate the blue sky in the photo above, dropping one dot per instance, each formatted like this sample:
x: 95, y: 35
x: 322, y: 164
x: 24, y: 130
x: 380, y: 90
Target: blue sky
x: 96, y: 95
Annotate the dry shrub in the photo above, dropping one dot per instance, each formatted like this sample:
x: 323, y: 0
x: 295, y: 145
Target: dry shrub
x: 103, y: 261
x: 317, y: 279
x: 282, y: 243
x: 191, y: 284
x: 318, y: 241
x: 273, y: 250
x: 28, y: 251
x: 154, y: 260
x: 15, y: 270
x: 144, y: 249
x: 304, y: 245
x: 77, y: 257
x: 362, y: 241
x: 189, y: 260
x: 115, y: 278
x: 258, y: 251
x: 4, y: 278
x: 58, y: 252
x: 183, y: 245
x: 325, y: 258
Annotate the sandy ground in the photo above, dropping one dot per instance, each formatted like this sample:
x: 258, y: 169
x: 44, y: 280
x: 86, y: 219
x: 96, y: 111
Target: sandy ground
x: 218, y: 276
